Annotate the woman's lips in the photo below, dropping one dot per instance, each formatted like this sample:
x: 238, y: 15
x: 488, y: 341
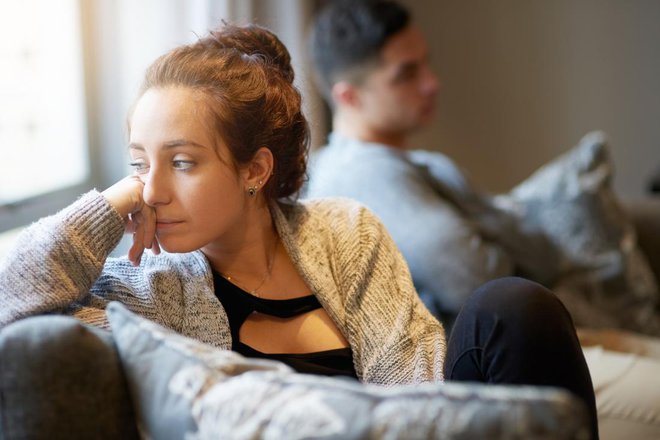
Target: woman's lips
x: 163, y: 225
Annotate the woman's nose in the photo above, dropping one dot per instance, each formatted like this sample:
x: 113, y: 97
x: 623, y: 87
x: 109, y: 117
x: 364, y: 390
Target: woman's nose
x: 156, y: 191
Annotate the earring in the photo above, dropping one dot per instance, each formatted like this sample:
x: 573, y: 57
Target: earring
x: 252, y: 191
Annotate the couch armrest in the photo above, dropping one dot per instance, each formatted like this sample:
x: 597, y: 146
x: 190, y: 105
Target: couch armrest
x: 62, y: 379
x: 645, y: 215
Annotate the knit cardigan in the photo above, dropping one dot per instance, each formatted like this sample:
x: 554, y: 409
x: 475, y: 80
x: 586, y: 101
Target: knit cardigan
x: 60, y: 264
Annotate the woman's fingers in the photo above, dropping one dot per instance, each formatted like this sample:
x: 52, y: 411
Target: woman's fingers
x: 136, y: 250
x: 126, y: 197
x: 148, y: 226
x: 137, y: 247
x: 143, y: 225
x: 155, y: 247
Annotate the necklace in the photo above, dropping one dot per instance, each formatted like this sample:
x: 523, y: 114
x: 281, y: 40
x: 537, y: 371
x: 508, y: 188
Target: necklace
x: 269, y: 271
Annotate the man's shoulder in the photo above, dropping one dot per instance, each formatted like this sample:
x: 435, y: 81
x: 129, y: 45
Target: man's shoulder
x: 354, y: 168
x: 430, y: 157
x: 349, y: 151
x: 441, y: 168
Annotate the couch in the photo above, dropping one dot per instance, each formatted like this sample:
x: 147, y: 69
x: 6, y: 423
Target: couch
x: 62, y: 379
x: 623, y: 364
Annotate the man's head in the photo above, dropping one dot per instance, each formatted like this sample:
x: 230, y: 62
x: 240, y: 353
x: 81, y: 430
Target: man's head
x: 372, y: 63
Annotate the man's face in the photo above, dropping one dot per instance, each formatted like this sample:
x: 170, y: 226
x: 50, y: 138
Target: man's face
x: 398, y: 95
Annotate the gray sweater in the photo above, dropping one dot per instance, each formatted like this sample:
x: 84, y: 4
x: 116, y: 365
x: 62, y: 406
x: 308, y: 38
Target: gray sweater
x: 453, y: 237
x: 60, y: 265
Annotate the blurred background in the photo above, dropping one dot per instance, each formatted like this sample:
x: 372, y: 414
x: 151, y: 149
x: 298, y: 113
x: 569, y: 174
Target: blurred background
x: 523, y: 80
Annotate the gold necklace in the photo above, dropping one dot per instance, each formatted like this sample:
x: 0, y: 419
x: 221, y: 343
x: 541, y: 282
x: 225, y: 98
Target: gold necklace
x: 269, y: 271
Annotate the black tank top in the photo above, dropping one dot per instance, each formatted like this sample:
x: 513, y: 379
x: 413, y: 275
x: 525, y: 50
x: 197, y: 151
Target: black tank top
x: 239, y: 304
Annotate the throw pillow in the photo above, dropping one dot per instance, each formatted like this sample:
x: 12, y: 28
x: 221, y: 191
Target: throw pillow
x: 605, y: 280
x: 185, y: 389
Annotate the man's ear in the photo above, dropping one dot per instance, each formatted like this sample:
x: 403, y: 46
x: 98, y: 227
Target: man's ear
x: 345, y: 94
x: 257, y: 172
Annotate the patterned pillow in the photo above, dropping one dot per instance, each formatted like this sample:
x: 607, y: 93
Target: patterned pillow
x: 185, y: 389
x: 605, y: 279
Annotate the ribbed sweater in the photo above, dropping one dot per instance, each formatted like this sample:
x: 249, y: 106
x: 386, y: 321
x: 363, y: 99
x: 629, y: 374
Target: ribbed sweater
x: 61, y: 264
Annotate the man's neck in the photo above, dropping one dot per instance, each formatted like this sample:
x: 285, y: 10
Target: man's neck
x: 355, y: 129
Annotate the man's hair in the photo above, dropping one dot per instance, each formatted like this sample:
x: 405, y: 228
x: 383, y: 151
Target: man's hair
x: 348, y: 35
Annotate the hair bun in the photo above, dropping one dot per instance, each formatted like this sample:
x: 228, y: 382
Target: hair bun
x: 254, y: 40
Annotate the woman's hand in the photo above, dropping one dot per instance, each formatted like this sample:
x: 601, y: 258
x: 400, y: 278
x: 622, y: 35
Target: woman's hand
x: 126, y: 197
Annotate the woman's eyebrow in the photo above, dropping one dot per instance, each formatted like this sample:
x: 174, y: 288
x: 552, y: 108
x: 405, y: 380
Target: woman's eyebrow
x: 181, y: 143
x: 169, y: 144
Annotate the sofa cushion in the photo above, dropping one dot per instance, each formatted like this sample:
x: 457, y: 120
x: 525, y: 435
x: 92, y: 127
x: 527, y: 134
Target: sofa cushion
x: 185, y: 388
x: 168, y: 373
x: 61, y: 379
x: 605, y: 279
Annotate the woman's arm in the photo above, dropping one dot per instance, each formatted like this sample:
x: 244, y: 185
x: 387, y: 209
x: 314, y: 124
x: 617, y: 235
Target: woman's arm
x: 55, y: 261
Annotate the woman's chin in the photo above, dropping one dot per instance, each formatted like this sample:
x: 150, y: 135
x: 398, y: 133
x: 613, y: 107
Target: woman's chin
x: 172, y: 247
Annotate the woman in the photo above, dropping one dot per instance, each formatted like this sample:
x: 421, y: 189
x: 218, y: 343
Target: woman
x: 218, y: 143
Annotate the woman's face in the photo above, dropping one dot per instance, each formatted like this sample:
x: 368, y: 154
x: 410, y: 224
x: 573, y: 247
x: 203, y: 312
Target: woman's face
x: 188, y: 176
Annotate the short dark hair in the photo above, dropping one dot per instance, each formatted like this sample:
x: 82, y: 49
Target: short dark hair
x: 348, y: 35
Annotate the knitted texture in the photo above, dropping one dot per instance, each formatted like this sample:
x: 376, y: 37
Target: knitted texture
x: 61, y: 264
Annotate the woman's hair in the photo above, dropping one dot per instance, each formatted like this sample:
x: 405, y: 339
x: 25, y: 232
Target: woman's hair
x: 246, y: 78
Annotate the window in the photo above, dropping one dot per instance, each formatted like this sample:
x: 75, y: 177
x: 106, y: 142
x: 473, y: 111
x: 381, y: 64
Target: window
x: 70, y: 70
x: 43, y: 138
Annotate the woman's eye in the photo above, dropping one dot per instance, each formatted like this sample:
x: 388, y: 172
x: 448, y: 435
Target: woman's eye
x: 139, y: 166
x: 183, y: 165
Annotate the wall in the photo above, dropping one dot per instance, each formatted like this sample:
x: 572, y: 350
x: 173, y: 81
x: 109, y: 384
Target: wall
x: 289, y: 19
x: 523, y: 80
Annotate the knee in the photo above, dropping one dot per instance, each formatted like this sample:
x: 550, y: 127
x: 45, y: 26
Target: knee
x: 517, y: 297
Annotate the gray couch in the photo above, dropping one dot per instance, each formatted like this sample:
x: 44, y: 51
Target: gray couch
x: 62, y: 379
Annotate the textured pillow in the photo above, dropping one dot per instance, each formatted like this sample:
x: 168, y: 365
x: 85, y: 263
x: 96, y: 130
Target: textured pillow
x: 605, y: 280
x: 185, y: 389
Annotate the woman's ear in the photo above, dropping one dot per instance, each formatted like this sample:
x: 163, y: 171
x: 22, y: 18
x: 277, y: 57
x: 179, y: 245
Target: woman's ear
x: 256, y: 173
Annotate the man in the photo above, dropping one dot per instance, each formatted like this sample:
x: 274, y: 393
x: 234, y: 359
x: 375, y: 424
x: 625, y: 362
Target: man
x: 372, y: 63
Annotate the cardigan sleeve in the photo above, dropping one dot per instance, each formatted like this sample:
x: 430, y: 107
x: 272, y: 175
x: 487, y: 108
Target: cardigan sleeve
x: 394, y: 337
x: 55, y: 261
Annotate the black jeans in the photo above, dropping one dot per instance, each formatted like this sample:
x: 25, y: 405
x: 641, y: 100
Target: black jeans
x: 514, y: 331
